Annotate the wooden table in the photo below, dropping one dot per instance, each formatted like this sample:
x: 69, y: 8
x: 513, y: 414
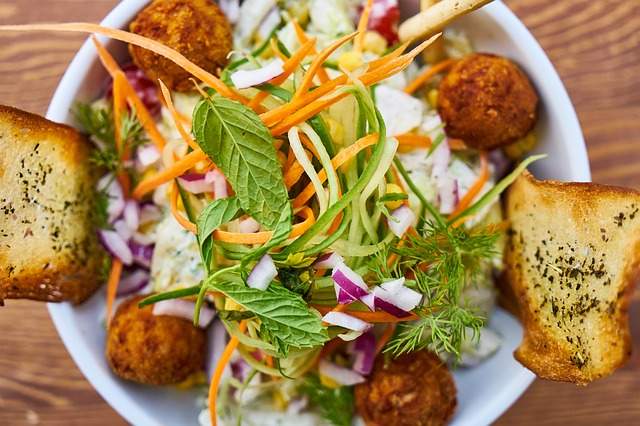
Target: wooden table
x: 595, y: 46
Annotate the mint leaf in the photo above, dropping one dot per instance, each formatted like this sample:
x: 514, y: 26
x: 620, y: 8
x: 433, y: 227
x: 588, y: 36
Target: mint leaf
x: 286, y: 320
x: 242, y: 147
x: 212, y: 217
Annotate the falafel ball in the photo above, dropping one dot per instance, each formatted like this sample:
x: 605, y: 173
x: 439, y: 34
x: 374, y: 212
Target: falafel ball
x: 487, y: 101
x: 415, y: 389
x: 198, y: 29
x: 151, y: 349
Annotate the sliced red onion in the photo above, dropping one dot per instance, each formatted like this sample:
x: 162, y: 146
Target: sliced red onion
x: 133, y: 283
x: 142, y: 253
x: 144, y: 87
x: 149, y: 213
x: 231, y: 9
x: 263, y: 273
x: 440, y: 158
x: 115, y: 196
x: 349, y: 281
x: 447, y: 194
x: 122, y: 229
x: 183, y: 309
x: 328, y: 261
x: 195, y: 183
x: 343, y: 297
x: 219, y: 183
x: 399, y: 304
x: 243, y: 79
x: 340, y: 375
x: 116, y: 245
x: 364, y: 351
x: 401, y: 219
x: 142, y: 239
x: 131, y: 215
x: 240, y: 369
x: 369, y: 301
x: 148, y: 155
x: 248, y: 226
x: 347, y: 321
x: 216, y: 342
x: 394, y: 286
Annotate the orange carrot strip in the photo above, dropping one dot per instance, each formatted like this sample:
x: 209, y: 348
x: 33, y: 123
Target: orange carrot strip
x: 217, y: 374
x: 341, y: 158
x: 412, y: 140
x: 428, y: 74
x: 385, y: 337
x: 477, y: 186
x: 178, y: 168
x: 143, y: 114
x: 119, y: 102
x: 317, y: 64
x: 372, y: 317
x: 183, y: 221
x: 363, y: 24
x: 302, y: 39
x: 264, y: 236
x: 176, y: 116
x: 140, y: 41
x: 112, y: 285
x: 294, y: 172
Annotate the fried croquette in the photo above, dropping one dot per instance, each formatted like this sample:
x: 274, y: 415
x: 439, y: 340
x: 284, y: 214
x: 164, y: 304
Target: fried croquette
x: 153, y: 350
x: 415, y: 389
x: 487, y: 101
x: 196, y: 28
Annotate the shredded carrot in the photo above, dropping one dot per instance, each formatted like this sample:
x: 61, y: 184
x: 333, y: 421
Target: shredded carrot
x: 411, y: 140
x: 264, y: 236
x: 341, y: 158
x: 140, y: 41
x: 119, y: 102
x: 371, y: 317
x: 183, y: 221
x: 143, y: 114
x: 176, y: 116
x: 112, y: 285
x: 308, y: 144
x: 217, y: 374
x: 317, y: 64
x: 363, y: 24
x: 477, y: 186
x: 385, y: 337
x: 178, y: 168
x: 302, y: 39
x: 428, y: 74
x: 294, y: 171
x: 462, y: 220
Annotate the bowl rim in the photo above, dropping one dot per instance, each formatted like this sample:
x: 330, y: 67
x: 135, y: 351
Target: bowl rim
x: 71, y: 82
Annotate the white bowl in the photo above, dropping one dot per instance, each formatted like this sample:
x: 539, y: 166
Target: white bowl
x: 485, y: 392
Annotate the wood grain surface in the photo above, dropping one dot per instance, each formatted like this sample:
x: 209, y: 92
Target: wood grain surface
x: 595, y: 45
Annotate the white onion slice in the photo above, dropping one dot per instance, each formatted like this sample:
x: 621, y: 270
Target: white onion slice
x: 394, y: 286
x: 401, y: 219
x: 116, y: 245
x: 263, y: 273
x: 148, y: 155
x: 340, y: 375
x: 149, y: 213
x: 328, y: 261
x: 231, y: 9
x: 115, y: 196
x: 243, y: 79
x: 399, y: 304
x: 219, y: 183
x: 133, y: 283
x: 195, y: 183
x: 447, y: 194
x: 347, y: 321
x: 183, y: 309
x: 248, y: 226
x: 440, y: 158
x: 131, y: 215
x: 122, y: 229
x: 349, y: 281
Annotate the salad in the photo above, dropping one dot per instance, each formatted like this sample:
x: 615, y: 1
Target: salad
x: 303, y: 204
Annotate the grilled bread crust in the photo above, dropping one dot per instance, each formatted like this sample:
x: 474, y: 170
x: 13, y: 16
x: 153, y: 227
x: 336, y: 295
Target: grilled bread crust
x: 572, y: 258
x: 48, y: 245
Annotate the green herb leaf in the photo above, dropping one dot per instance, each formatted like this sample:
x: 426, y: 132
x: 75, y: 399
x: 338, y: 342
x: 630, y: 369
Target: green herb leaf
x: 212, y: 217
x: 286, y: 320
x: 335, y: 405
x: 239, y: 143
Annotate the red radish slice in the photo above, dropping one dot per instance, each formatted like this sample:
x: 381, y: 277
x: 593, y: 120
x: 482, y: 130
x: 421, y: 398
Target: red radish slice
x: 364, y: 351
x: 343, y: 320
x: 401, y: 219
x: 184, y: 309
x: 340, y: 375
x: 243, y: 79
x: 116, y: 245
x: 133, y: 283
x: 263, y: 273
x: 328, y: 261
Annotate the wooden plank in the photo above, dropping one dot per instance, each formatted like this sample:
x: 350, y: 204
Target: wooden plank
x: 595, y: 46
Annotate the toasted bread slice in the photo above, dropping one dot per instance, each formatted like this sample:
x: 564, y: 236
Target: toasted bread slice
x: 48, y: 244
x: 573, y: 254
